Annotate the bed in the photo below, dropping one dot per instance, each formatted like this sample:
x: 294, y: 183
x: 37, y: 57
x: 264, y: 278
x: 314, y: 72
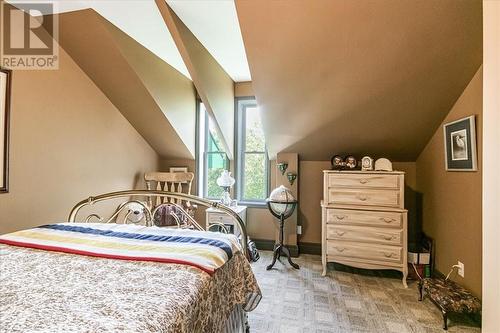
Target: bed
x: 107, y: 277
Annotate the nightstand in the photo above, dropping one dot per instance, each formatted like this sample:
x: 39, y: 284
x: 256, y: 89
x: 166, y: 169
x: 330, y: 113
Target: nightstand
x: 217, y: 216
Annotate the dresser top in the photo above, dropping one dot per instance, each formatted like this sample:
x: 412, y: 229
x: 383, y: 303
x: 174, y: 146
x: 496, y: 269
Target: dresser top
x: 366, y: 172
x: 236, y: 209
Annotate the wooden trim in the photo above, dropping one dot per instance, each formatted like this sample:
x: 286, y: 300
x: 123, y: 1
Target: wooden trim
x: 5, y: 187
x: 268, y: 245
x: 309, y: 248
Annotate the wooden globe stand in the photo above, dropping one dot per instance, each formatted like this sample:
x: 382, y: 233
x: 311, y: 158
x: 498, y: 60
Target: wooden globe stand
x: 280, y: 248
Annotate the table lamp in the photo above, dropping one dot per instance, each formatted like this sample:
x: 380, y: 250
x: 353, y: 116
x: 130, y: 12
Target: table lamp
x: 281, y: 204
x: 226, y: 182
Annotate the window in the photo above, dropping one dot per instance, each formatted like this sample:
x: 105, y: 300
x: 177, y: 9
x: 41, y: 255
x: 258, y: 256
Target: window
x: 252, y: 164
x: 213, y: 158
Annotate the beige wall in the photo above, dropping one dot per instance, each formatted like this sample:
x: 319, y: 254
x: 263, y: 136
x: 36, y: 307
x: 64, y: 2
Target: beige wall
x: 452, y: 200
x: 491, y: 161
x: 67, y: 142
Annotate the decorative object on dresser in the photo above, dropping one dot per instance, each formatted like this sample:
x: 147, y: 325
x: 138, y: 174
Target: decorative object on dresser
x: 217, y: 220
x: 5, y: 92
x: 351, y: 162
x: 364, y: 223
x: 367, y: 163
x: 383, y: 164
x: 460, y: 145
x: 281, y: 204
x: 337, y: 162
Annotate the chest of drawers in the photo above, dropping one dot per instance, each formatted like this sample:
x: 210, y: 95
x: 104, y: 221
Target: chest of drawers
x: 364, y: 223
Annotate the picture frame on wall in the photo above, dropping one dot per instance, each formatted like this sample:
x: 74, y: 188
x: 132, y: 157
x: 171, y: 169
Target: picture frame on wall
x: 460, y: 145
x: 5, y: 94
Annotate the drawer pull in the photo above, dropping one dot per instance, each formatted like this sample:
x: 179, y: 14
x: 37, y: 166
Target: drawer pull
x: 388, y: 255
x: 388, y: 237
x: 340, y: 217
x: 340, y: 233
x: 362, y: 197
x: 387, y: 219
x: 340, y: 249
x: 363, y: 181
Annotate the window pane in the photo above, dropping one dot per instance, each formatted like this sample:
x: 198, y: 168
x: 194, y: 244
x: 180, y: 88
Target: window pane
x: 254, y: 186
x: 216, y: 162
x: 214, y: 141
x: 254, y: 134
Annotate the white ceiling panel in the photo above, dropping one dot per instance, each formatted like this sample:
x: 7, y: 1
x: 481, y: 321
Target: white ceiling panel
x: 215, y: 24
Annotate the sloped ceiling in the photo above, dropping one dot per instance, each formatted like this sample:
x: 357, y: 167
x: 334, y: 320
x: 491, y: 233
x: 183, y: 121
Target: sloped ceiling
x: 215, y: 87
x: 173, y: 92
x: 146, y: 28
x: 356, y: 76
x: 119, y: 68
x: 215, y: 24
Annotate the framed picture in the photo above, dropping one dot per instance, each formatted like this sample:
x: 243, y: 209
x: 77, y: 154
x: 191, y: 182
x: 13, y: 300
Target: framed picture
x: 178, y: 169
x: 460, y: 145
x: 5, y: 87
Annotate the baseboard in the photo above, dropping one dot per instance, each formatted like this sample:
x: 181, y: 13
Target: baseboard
x: 268, y: 245
x: 310, y: 248
x: 264, y: 244
x: 438, y: 274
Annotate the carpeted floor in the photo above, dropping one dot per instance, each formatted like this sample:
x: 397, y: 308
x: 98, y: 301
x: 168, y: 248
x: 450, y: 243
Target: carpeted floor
x: 343, y: 301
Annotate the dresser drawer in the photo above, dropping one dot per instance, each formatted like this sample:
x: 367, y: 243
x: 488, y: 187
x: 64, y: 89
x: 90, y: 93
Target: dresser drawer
x: 380, y: 253
x: 364, y: 234
x: 363, y: 181
x: 364, y: 217
x: 365, y: 197
x: 220, y: 218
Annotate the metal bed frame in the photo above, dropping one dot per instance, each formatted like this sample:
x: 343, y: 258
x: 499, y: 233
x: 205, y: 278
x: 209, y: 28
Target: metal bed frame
x: 133, y: 195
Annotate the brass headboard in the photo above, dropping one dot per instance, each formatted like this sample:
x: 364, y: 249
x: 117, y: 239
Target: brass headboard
x: 133, y: 194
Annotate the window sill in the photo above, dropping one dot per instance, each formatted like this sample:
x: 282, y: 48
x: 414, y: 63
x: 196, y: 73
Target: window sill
x: 253, y: 204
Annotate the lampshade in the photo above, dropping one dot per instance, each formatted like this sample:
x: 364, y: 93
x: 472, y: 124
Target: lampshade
x: 225, y: 179
x: 281, y: 201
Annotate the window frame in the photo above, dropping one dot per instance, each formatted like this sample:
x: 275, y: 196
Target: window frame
x: 202, y: 178
x: 241, y: 105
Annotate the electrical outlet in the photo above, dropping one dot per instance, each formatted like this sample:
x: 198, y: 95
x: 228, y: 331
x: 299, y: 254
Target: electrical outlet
x: 461, y: 269
x: 299, y: 230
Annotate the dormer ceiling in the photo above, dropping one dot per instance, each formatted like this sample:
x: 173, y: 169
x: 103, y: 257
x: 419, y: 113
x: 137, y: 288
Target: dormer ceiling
x: 155, y: 98
x: 137, y: 18
x: 215, y: 24
x: 356, y: 76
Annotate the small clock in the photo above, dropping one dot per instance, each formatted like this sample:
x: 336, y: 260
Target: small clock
x: 367, y: 163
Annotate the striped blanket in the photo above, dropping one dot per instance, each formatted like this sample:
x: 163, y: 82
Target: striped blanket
x: 207, y: 251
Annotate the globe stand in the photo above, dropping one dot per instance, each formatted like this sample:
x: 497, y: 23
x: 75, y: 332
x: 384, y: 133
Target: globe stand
x: 280, y: 248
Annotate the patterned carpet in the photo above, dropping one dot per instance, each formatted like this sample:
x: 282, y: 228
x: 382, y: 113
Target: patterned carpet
x: 343, y: 301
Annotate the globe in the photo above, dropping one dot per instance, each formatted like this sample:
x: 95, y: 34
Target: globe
x: 281, y: 201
